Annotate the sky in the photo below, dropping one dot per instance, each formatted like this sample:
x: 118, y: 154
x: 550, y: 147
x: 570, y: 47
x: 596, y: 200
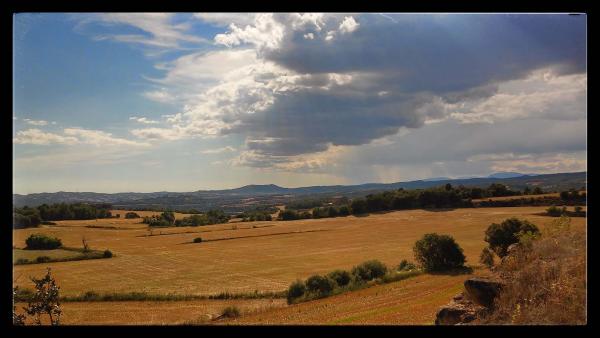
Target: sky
x: 144, y: 102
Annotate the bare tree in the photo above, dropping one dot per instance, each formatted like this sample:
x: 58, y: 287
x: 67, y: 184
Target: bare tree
x: 45, y: 300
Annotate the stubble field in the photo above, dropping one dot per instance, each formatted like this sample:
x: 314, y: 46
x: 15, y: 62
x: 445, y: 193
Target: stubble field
x: 268, y: 256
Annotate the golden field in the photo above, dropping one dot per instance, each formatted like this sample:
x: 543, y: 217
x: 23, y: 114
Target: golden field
x: 268, y: 256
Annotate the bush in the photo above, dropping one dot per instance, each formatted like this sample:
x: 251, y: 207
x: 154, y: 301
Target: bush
x: 406, y: 266
x: 340, y: 277
x: 230, y: 312
x: 198, y: 240
x: 131, y: 215
x: 487, y: 257
x: 42, y: 259
x: 22, y: 261
x: 556, y: 212
x: 296, y: 290
x: 319, y: 285
x: 107, y: 254
x: 42, y: 242
x: 501, y: 236
x: 438, y: 253
x: 369, y: 270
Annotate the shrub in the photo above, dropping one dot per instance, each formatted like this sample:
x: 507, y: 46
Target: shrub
x: 438, y: 253
x: 132, y: 215
x: 501, y: 236
x: 555, y: 212
x: 48, y: 223
x: 296, y: 290
x: 198, y: 240
x: 340, y: 277
x: 22, y: 261
x: 369, y: 270
x: 45, y: 300
x: 230, y: 312
x: 107, y: 254
x: 42, y: 242
x: 319, y: 285
x: 487, y: 257
x: 43, y: 259
x: 406, y: 266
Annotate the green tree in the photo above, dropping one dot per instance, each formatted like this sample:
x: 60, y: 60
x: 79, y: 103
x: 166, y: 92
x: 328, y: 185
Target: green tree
x: 501, y: 236
x: 438, y: 253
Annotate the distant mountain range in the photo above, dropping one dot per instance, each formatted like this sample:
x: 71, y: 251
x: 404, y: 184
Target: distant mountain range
x: 249, y: 196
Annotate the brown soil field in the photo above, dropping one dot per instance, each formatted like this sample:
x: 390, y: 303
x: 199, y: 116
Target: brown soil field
x: 263, y: 256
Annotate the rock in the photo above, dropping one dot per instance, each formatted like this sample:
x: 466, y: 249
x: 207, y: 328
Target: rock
x: 512, y: 248
x: 459, y: 311
x: 483, y: 290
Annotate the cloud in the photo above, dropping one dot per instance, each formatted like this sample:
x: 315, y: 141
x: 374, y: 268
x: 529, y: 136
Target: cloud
x: 218, y: 150
x: 160, y: 30
x: 297, y: 85
x: 143, y: 120
x: 349, y: 25
x: 225, y: 19
x: 73, y: 136
x: 38, y: 137
x: 36, y: 122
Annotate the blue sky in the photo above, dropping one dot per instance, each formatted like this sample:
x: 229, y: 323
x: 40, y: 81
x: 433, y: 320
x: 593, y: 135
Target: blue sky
x: 179, y: 102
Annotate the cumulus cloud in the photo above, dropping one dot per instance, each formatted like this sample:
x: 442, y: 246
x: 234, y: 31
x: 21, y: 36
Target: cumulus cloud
x: 301, y: 84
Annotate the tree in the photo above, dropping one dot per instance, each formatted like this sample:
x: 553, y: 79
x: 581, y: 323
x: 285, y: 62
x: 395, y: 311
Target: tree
x: 501, y: 236
x: 45, y: 300
x: 438, y: 253
x: 42, y: 242
x: 319, y: 284
x: 369, y: 270
x: 341, y: 277
x: 296, y: 290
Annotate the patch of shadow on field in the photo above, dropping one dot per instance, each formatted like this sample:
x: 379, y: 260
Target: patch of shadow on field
x: 467, y: 270
x: 108, y: 227
x: 250, y: 236
x: 439, y: 209
x: 202, y: 231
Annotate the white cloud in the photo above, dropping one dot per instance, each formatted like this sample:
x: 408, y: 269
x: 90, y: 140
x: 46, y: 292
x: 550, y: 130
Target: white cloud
x: 309, y: 36
x: 349, y: 25
x: 73, y: 136
x: 225, y: 19
x: 265, y: 33
x: 143, y: 120
x: 36, y: 122
x: 218, y: 150
x: 38, y: 137
x: 162, y: 31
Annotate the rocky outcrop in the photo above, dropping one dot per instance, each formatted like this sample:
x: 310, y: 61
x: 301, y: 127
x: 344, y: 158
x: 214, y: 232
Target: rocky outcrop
x: 483, y: 290
x: 460, y: 310
x: 477, y: 299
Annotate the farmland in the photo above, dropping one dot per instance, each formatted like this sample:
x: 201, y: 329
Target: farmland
x: 265, y: 256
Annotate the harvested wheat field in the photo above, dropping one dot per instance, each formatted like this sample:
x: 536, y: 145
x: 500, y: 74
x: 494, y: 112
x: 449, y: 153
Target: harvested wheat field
x: 157, y: 313
x: 413, y: 301
x: 264, y: 256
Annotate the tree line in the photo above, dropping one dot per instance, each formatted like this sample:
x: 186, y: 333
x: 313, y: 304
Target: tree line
x: 26, y: 217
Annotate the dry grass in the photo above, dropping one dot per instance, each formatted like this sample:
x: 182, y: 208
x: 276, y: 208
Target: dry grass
x: 166, y: 264
x: 547, y: 282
